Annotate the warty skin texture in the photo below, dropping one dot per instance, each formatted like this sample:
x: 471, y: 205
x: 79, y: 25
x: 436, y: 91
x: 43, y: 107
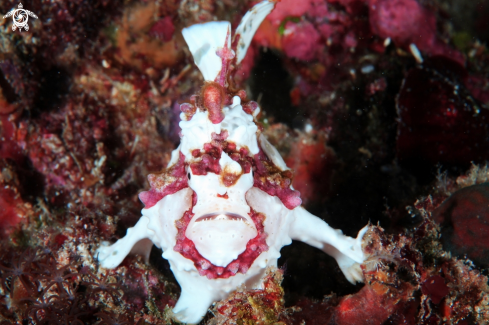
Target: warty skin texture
x: 236, y: 229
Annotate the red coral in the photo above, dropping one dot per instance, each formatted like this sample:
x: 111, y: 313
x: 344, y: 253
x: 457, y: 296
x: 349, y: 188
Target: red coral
x: 436, y: 288
x: 60, y: 239
x: 375, y: 303
x: 301, y: 41
x: 163, y: 29
x: 439, y: 122
x: 9, y: 206
x: 313, y: 164
x: 464, y: 218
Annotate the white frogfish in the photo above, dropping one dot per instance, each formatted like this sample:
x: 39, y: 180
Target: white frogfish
x: 224, y: 207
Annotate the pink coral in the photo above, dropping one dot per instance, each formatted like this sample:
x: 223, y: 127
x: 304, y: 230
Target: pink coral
x: 163, y: 29
x: 301, y: 41
x: 408, y: 22
x: 290, y: 8
x: 313, y: 163
x: 404, y: 21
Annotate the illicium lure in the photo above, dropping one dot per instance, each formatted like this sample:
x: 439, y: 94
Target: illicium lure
x: 224, y: 207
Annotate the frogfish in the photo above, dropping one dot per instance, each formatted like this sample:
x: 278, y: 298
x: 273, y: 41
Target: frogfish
x: 224, y: 207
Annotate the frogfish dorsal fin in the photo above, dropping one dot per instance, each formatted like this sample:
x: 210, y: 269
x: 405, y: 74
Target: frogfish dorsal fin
x: 204, y: 40
x: 248, y: 26
x: 210, y: 43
